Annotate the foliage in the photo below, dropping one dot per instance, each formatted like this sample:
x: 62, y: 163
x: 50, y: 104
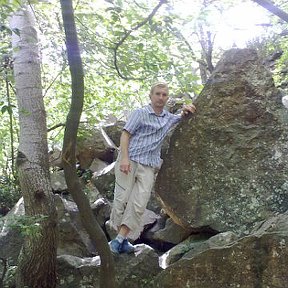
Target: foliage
x: 28, y: 225
x: 9, y: 279
x: 148, y: 54
x: 8, y: 124
x: 118, y: 73
x: 275, y: 43
x: 9, y: 194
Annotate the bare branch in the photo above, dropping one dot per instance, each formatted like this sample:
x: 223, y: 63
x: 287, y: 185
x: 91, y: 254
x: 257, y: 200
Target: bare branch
x: 127, y: 34
x: 55, y: 78
x: 55, y: 127
x: 62, y: 125
x: 268, y: 5
x: 181, y: 37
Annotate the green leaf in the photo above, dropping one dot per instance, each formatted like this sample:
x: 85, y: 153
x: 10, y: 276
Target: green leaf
x: 9, y: 109
x: 4, y: 109
x: 5, y: 28
x: 140, y: 46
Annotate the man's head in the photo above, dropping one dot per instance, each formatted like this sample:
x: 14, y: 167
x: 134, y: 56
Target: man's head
x: 159, y: 95
x: 158, y: 85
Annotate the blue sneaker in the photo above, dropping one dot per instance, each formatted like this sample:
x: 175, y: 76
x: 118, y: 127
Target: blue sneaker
x: 127, y: 247
x: 115, y: 246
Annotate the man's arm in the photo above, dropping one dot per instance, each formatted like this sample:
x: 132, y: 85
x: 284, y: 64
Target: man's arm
x: 124, y: 144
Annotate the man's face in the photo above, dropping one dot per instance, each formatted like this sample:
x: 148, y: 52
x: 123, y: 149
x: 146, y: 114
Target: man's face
x: 159, y: 97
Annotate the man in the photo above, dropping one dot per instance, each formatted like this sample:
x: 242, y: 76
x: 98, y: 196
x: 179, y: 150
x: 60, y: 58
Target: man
x: 140, y: 149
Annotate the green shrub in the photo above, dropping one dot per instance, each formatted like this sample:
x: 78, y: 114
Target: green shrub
x: 9, y: 194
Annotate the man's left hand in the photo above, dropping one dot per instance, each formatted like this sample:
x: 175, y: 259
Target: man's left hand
x: 187, y: 109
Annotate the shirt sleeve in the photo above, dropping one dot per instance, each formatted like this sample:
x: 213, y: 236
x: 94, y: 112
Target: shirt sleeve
x: 175, y: 119
x: 133, y: 122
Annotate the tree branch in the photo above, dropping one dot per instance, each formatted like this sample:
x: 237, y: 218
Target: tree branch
x: 56, y: 126
x: 181, y: 37
x: 55, y: 78
x: 268, y: 5
x: 127, y: 34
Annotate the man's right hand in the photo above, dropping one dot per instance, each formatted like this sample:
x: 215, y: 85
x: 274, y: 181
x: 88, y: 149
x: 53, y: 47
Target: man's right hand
x: 125, y: 166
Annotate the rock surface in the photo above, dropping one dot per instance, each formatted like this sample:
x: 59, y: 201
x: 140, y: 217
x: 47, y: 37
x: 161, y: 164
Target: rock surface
x: 258, y: 260
x: 93, y: 143
x: 196, y: 244
x: 11, y: 240
x: 131, y: 270
x: 227, y: 165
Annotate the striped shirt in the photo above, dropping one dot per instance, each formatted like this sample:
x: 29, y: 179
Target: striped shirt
x: 148, y: 131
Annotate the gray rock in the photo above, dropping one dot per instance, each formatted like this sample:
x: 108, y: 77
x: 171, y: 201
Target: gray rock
x: 258, y: 260
x: 132, y: 271
x: 104, y: 181
x: 229, y: 162
x: 91, y: 144
x: 91, y: 192
x: 73, y: 238
x: 58, y: 182
x: 97, y: 166
x: 101, y: 209
x: 154, y: 203
x: 197, y: 242
x: 11, y: 240
x: 114, y: 131
x: 55, y: 158
x: 171, y: 233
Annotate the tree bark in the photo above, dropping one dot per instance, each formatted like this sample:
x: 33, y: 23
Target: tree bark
x: 268, y: 5
x: 37, y: 260
x: 107, y: 276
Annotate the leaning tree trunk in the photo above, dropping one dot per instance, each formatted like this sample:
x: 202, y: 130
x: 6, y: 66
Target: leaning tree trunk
x: 37, y: 260
x: 268, y: 5
x: 107, y: 278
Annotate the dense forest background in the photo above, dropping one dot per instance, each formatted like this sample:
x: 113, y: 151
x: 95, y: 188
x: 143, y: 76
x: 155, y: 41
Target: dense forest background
x: 126, y: 46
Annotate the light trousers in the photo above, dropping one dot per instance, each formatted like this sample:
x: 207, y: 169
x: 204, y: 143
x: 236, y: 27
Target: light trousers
x: 131, y: 195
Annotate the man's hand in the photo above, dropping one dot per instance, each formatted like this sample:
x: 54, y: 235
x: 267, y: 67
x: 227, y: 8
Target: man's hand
x: 187, y: 109
x: 125, y: 166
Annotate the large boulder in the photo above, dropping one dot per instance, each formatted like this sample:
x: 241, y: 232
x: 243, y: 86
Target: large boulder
x: 196, y: 244
x: 227, y: 165
x: 114, y: 131
x: 96, y: 143
x: 104, y: 181
x: 257, y: 260
x: 73, y: 238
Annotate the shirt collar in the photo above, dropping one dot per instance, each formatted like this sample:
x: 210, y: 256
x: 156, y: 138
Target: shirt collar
x: 151, y: 111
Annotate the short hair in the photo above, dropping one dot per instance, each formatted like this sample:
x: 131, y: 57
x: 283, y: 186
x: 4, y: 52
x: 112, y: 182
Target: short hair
x: 158, y: 84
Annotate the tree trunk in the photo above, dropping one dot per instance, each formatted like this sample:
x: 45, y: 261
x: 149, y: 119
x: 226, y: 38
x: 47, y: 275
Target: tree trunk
x: 107, y: 276
x: 37, y: 260
x: 205, y: 40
